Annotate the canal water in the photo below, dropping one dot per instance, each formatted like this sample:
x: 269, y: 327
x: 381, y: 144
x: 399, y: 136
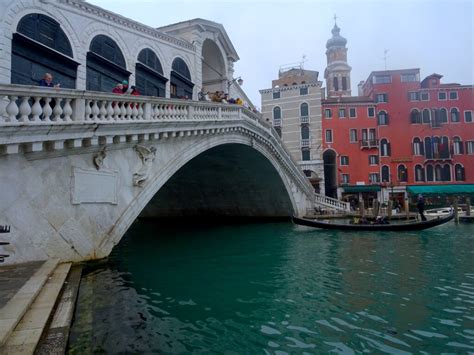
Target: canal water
x: 277, y: 288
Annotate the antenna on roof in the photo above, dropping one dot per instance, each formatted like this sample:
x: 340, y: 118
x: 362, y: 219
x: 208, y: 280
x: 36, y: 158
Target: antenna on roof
x: 385, y: 51
x: 335, y: 19
x: 303, y: 59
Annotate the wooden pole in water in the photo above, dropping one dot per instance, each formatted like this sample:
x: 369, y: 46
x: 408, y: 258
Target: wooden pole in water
x: 361, y: 208
x: 468, y: 206
x: 389, y: 209
x: 456, y: 214
x: 407, y: 208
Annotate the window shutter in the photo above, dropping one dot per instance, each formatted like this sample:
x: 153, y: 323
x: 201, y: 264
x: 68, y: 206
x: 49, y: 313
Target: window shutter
x: 461, y: 148
x: 389, y: 149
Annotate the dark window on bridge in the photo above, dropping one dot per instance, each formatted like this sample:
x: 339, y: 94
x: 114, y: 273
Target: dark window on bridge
x: 149, y: 74
x: 181, y: 78
x: 40, y: 46
x: 305, y: 154
x: 105, y: 65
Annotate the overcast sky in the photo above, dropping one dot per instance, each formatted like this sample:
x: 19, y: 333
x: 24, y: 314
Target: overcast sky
x: 434, y: 35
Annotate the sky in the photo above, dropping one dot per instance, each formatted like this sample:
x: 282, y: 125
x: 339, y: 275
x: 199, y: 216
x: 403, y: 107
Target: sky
x: 436, y: 36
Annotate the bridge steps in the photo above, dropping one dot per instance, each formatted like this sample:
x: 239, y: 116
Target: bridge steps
x: 28, y: 311
x: 14, y: 310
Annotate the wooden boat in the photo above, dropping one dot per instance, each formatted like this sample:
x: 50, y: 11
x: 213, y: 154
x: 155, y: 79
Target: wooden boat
x: 396, y: 227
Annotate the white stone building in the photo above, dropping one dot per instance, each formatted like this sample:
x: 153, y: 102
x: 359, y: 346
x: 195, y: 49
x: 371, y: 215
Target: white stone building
x: 89, y: 48
x: 293, y: 106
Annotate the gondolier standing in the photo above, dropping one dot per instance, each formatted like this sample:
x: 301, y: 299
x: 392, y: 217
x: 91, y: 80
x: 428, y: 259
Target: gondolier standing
x: 420, y: 204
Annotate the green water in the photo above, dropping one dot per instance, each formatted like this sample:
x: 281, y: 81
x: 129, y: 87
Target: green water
x: 276, y: 288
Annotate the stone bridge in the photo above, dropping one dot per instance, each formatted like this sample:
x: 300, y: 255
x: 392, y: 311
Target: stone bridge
x: 77, y: 168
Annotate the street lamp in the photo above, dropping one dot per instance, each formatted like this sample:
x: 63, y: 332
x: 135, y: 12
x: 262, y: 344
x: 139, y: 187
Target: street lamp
x: 239, y: 81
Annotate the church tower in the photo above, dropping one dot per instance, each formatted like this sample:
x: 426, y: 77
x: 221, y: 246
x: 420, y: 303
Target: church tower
x: 338, y: 72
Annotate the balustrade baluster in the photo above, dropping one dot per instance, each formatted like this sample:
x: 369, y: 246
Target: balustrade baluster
x: 25, y: 109
x: 12, y: 109
x: 36, y: 110
x: 88, y: 110
x: 117, y: 111
x: 47, y: 110
x: 123, y: 111
x: 103, y: 110
x: 67, y: 111
x: 57, y: 110
x: 95, y: 111
x: 3, y: 108
x: 134, y: 111
x: 129, y: 111
x: 141, y: 111
x: 110, y: 111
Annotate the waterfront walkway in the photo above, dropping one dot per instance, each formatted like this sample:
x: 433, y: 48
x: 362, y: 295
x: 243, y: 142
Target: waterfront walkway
x: 27, y: 305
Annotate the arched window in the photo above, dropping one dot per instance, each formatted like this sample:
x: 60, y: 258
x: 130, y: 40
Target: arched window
x: 446, y: 173
x: 344, y: 83
x: 305, y: 132
x: 438, y: 172
x: 415, y: 116
x: 435, y: 118
x: 40, y: 46
x: 385, y: 173
x: 429, y: 173
x: 443, y: 115
x: 335, y: 84
x: 402, y: 173
x: 454, y: 115
x: 384, y: 148
x: 304, y: 109
x: 276, y: 113
x: 458, y: 148
x: 459, y: 173
x: 149, y: 74
x: 382, y: 118
x: 417, y: 146
x: 419, y: 173
x: 426, y: 116
x: 181, y: 86
x: 105, y: 64
x: 444, y: 148
x: 428, y: 148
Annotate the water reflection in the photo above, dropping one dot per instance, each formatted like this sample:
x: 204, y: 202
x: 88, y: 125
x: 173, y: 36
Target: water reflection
x: 280, y: 288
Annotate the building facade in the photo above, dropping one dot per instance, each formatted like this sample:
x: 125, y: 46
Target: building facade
x: 89, y: 48
x: 293, y: 105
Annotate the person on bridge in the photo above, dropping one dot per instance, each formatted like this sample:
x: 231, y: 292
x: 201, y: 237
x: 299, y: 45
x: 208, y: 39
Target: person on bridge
x: 47, y: 81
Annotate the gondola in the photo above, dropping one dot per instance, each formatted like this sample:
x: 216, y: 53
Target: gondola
x: 396, y: 227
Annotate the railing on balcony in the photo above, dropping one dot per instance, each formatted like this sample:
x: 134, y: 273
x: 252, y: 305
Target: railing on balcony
x: 305, y: 143
x: 304, y: 119
x: 369, y: 143
x: 277, y: 122
x: 331, y: 203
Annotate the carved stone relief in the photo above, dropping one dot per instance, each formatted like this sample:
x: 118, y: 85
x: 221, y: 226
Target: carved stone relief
x: 147, y: 156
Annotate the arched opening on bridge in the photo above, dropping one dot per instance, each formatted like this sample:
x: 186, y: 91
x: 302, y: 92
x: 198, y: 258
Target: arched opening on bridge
x: 181, y: 86
x: 105, y: 65
x: 213, y: 67
x: 231, y: 180
x: 330, y: 176
x: 40, y: 46
x: 149, y: 74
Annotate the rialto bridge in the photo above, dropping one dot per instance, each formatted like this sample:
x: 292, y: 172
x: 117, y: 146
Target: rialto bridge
x: 78, y: 164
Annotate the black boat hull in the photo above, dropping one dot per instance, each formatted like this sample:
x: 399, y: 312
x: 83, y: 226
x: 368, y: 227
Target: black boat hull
x: 413, y: 226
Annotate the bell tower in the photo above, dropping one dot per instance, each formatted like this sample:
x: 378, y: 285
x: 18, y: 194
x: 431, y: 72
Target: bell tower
x: 338, y: 72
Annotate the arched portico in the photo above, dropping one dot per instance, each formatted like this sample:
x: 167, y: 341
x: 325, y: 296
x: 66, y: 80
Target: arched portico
x: 213, y: 67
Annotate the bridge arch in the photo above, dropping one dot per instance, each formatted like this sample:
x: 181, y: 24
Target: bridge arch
x: 179, y: 161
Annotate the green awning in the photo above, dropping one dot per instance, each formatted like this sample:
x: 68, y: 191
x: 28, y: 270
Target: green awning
x: 441, y: 189
x: 361, y: 188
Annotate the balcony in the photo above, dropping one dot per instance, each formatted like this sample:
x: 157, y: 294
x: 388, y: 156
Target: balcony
x: 369, y: 143
x: 305, y: 143
x: 277, y: 122
x: 304, y: 119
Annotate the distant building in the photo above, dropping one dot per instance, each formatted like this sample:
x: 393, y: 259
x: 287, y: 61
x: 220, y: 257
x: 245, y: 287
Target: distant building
x: 293, y: 106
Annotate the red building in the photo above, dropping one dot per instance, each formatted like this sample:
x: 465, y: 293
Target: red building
x: 401, y: 135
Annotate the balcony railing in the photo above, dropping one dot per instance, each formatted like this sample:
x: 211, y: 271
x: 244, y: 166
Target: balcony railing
x: 331, y: 203
x: 277, y: 122
x: 304, y: 119
x: 305, y: 143
x: 369, y: 143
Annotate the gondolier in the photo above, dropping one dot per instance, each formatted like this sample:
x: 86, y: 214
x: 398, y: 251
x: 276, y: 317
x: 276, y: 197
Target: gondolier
x: 420, y: 204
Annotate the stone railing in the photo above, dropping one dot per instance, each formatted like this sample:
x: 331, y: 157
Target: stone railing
x: 332, y: 203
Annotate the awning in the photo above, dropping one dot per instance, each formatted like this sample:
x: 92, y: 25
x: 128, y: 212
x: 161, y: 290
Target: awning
x: 362, y: 188
x: 441, y: 189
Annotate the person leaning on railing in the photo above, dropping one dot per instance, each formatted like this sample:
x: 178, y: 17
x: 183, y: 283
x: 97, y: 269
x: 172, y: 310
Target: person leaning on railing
x: 47, y: 81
